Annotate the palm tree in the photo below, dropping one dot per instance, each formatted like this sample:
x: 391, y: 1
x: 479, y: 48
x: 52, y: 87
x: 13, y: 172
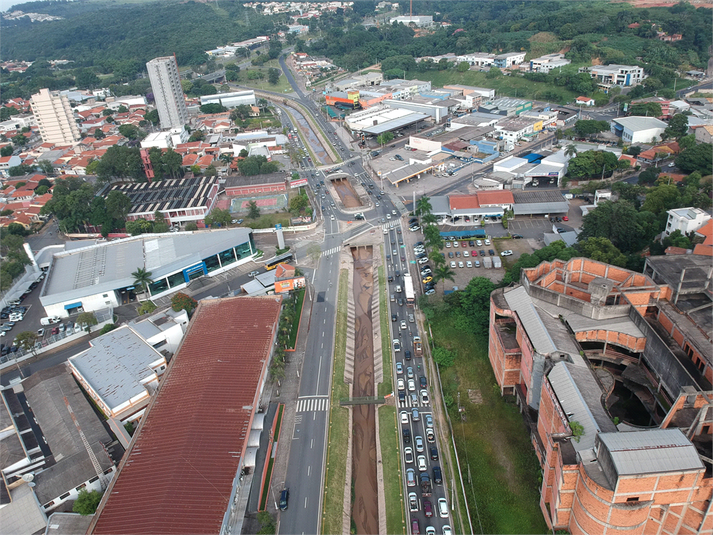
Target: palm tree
x: 571, y: 150
x: 142, y: 278
x: 423, y: 206
x: 444, y: 272
x: 438, y: 258
x: 428, y: 219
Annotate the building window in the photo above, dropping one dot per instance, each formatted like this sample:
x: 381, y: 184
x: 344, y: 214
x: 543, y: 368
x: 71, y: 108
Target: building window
x: 105, y: 295
x: 227, y: 257
x: 92, y: 480
x: 158, y: 286
x: 50, y: 504
x: 212, y: 263
x: 176, y: 279
x: 65, y: 495
x: 632, y: 500
x: 80, y: 487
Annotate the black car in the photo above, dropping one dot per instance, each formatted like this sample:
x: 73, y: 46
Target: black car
x: 412, y: 220
x: 393, y: 317
x: 434, y: 453
x: 284, y: 498
x: 516, y: 236
x: 437, y: 476
x: 397, y: 274
x: 471, y: 243
x: 407, y: 354
x: 401, y: 302
x: 402, y: 395
x: 482, y: 252
x: 407, y: 436
x: 492, y: 253
x: 423, y: 382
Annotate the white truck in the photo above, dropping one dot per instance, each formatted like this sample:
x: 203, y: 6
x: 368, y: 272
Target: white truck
x: 51, y: 320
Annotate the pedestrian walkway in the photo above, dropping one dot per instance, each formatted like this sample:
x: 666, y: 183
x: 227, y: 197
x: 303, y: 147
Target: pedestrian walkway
x: 331, y: 251
x: 313, y: 404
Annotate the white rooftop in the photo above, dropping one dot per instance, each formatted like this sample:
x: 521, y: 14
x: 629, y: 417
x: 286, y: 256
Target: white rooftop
x: 640, y: 123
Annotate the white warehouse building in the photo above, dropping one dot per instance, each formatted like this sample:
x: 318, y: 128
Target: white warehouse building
x: 636, y: 129
x: 230, y: 100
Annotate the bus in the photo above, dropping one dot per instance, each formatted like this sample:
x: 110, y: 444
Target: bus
x: 282, y: 259
x: 408, y: 289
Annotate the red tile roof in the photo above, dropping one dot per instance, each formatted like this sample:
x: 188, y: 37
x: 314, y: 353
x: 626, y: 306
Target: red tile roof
x: 463, y: 202
x: 707, y: 232
x: 486, y: 198
x: 178, y: 474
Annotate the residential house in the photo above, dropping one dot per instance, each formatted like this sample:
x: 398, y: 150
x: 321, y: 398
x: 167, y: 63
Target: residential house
x: 686, y: 220
x: 6, y: 162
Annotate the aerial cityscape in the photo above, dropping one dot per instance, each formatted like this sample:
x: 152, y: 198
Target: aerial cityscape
x: 356, y: 267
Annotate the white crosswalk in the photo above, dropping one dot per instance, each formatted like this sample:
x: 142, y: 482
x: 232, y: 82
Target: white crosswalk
x: 312, y: 404
x: 390, y: 225
x: 331, y: 251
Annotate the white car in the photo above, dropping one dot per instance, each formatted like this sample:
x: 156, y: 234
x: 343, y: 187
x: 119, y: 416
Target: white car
x: 388, y: 216
x: 506, y: 253
x: 400, y: 385
x: 403, y: 325
x: 460, y: 264
x: 397, y: 345
x: 423, y: 260
x: 442, y: 508
x: 479, y: 243
x: 412, y: 502
x: 411, y: 385
x: 393, y: 212
x: 415, y: 229
x: 469, y: 264
x: 487, y: 241
x: 448, y: 245
x: 453, y: 264
x: 447, y: 530
x: 421, y: 463
x: 424, y: 397
x: 466, y: 254
x: 404, y: 417
x: 408, y: 455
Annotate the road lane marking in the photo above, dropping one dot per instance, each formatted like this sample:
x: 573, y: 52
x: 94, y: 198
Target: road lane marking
x: 305, y: 502
x: 309, y: 471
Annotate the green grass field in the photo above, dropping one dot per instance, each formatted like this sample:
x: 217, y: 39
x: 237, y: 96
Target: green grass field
x: 267, y: 221
x: 333, y: 500
x: 511, y: 86
x: 493, y: 443
x: 296, y: 324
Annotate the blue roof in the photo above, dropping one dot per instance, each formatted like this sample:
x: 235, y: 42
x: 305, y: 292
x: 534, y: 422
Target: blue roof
x: 533, y: 157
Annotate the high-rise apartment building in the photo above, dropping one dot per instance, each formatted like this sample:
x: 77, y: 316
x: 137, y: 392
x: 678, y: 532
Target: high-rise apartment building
x: 167, y: 91
x: 55, y: 117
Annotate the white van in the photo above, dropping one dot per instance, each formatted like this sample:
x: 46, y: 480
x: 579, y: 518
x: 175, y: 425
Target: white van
x: 50, y: 320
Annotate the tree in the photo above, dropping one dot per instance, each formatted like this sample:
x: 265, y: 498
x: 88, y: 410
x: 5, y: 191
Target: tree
x: 444, y: 357
x: 213, y: 108
x: 298, y: 204
x: 240, y: 112
x: 152, y: 117
x: 273, y: 76
x: 86, y: 320
x: 697, y: 158
x: 475, y: 299
x: 463, y: 66
x: 633, y: 150
x: 118, y: 205
x: 649, y: 109
x: 87, y: 502
x: 444, y: 273
x: 649, y: 176
x: 677, y: 126
x: 617, y: 221
x: 142, y: 278
x: 218, y: 218
x: 147, y: 307
x: 602, y: 250
x: 253, y: 210
x: 191, y: 226
x: 26, y: 340
x: 181, y: 301
x: 6, y: 151
x: 130, y: 131
x: 384, y: 138
x: 570, y: 150
x: 588, y: 128
x: 423, y: 206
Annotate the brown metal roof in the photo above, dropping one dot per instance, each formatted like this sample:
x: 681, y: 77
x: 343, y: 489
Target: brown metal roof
x: 178, y: 475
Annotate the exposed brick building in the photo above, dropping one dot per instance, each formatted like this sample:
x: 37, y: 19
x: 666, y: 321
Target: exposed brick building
x: 565, y: 342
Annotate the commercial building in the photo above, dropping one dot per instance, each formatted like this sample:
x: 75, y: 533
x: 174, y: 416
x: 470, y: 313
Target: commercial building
x: 349, y: 99
x: 180, y: 200
x: 610, y: 75
x: 686, y: 220
x: 507, y: 60
x: 232, y: 99
x: 638, y: 129
x: 55, y: 118
x: 122, y: 368
x: 420, y: 21
x: 190, y: 466
x: 357, y: 81
x: 53, y: 439
x: 167, y: 91
x: 548, y: 62
x: 484, y: 205
x: 98, y: 276
x: 572, y: 339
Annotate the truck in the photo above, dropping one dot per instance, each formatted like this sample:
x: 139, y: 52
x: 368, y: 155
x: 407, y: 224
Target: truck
x: 417, y: 346
x: 426, y: 487
x: 408, y: 289
x: 487, y: 263
x: 49, y: 320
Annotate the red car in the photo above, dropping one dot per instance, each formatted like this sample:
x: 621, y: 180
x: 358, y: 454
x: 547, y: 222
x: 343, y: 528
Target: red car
x: 565, y: 218
x: 464, y: 244
x: 55, y: 330
x: 474, y: 253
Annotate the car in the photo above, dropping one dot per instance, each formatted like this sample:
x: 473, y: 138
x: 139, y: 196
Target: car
x: 398, y: 289
x: 428, y: 511
x: 407, y: 354
x: 426, y: 271
x: 402, y: 395
x: 393, y: 317
x: 388, y: 216
x: 415, y: 528
x: 474, y: 253
x: 464, y: 244
x: 408, y: 455
x: 377, y: 205
x: 466, y: 254
x: 55, y: 330
x: 448, y: 245
x: 469, y: 264
x: 482, y: 253
x: 429, y: 421
x: 460, y: 264
x: 394, y: 252
x: 430, y: 292
x: 453, y: 263
x: 423, y: 260
x: 419, y: 249
x: 414, y: 228
x: 506, y: 253
x: 487, y: 241
x: 421, y: 255
x: 516, y: 236
x: 434, y: 453
x: 412, y: 502
x: 492, y: 253
x: 404, y: 418
x: 415, y: 416
x: 479, y: 243
x: 430, y: 435
x: 393, y: 212
x: 399, y: 368
x: 421, y: 463
x: 397, y: 345
x: 411, y: 319
x: 477, y: 263
x: 418, y: 442
x: 393, y: 298
x: 427, y: 279
x: 424, y: 397
x: 455, y: 244
x: 437, y: 475
x: 401, y: 302
x: 409, y: 372
x: 565, y: 218
x: 403, y: 325
x: 284, y: 498
x: 61, y: 327
x: 400, y: 385
x: 450, y: 254
x: 442, y: 508
x: 457, y: 254
x: 410, y: 477
x: 430, y: 530
x: 411, y: 385
x: 446, y: 530
x: 398, y: 157
x: 40, y: 332
x: 423, y: 383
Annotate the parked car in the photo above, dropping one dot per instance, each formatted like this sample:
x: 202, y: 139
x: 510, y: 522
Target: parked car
x: 506, y: 253
x: 284, y: 498
x: 40, y: 332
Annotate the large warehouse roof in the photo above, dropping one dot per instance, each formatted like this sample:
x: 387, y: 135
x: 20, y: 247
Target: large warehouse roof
x: 395, y: 124
x: 178, y: 475
x: 108, y: 265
